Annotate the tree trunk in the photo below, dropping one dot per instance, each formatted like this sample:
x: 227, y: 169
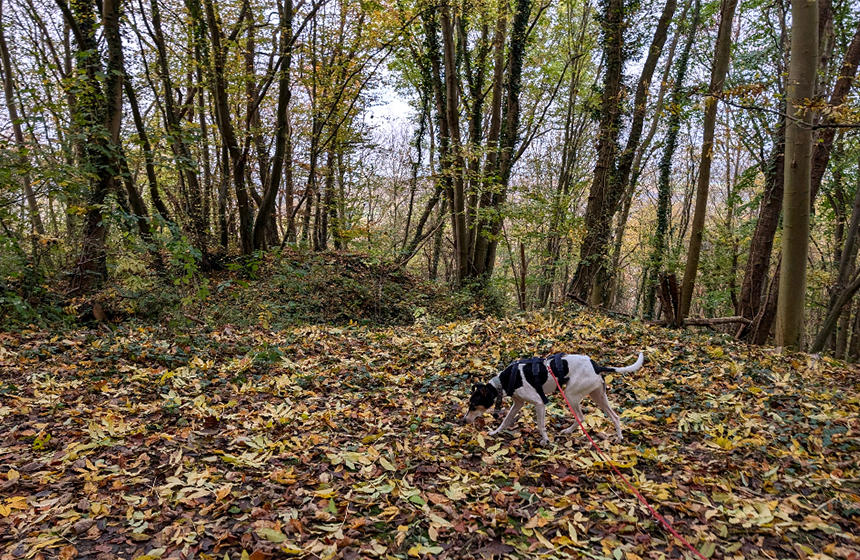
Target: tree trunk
x: 636, y: 168
x: 509, y: 137
x: 600, y: 207
x: 824, y: 145
x: 12, y: 108
x: 798, y: 151
x: 282, y: 129
x: 149, y: 162
x: 761, y: 245
x: 718, y: 76
x: 622, y: 177
x: 846, y: 268
x: 664, y: 194
x: 854, y: 347
x: 573, y: 140
x: 182, y: 157
x: 98, y: 110
x: 228, y: 134
x: 454, y: 159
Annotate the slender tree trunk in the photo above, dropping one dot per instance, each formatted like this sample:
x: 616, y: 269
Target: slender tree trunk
x: 820, y: 159
x: 137, y: 208
x: 761, y: 245
x: 455, y: 155
x: 838, y: 298
x: 289, y: 194
x: 655, y: 266
x: 98, y: 110
x: 489, y: 179
x: 571, y: 144
x: 175, y: 136
x: 622, y: 177
x: 718, y: 76
x: 12, y: 108
x: 149, y: 161
x: 627, y: 199
x: 282, y: 130
x: 798, y: 152
x: 842, y: 331
x: 205, y: 201
x: 228, y: 133
x: 854, y: 346
x: 223, y: 189
x: 509, y: 135
x: 824, y: 145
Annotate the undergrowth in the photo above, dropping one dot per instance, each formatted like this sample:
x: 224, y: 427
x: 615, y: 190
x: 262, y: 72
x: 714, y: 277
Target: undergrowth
x: 278, y: 290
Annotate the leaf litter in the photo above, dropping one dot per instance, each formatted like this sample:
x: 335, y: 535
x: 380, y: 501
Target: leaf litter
x: 344, y: 442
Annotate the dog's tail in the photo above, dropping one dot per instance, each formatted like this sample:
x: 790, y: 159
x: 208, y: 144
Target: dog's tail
x: 631, y: 368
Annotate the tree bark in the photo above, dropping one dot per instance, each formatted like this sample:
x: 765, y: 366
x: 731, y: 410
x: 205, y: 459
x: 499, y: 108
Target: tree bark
x: 185, y: 163
x: 718, y: 76
x: 600, y: 207
x: 485, y: 260
x: 761, y: 244
x: 621, y: 178
x: 798, y: 151
x: 821, y: 155
x: 571, y: 144
x: 454, y: 157
x: 98, y: 110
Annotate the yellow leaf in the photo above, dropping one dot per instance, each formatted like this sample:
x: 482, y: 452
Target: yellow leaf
x: 272, y: 535
x: 611, y: 507
x: 17, y: 502
x: 291, y: 549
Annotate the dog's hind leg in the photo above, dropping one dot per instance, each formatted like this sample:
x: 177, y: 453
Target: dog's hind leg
x: 577, y: 410
x: 540, y: 415
x: 511, y: 417
x: 599, y: 396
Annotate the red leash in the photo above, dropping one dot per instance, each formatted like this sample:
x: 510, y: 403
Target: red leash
x: 615, y: 469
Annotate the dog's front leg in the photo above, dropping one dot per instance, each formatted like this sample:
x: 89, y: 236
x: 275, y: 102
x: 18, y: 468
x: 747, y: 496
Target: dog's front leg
x: 510, y: 418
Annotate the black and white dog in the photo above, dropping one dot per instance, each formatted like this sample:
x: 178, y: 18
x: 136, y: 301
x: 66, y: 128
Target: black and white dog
x: 528, y: 381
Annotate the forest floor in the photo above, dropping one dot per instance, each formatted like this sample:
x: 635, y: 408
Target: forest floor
x: 130, y: 441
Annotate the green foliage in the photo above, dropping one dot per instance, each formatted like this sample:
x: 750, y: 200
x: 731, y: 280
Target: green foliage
x: 301, y: 287
x: 482, y: 296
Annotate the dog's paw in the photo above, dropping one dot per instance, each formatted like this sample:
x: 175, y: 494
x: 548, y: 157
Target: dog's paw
x: 544, y: 441
x: 493, y: 432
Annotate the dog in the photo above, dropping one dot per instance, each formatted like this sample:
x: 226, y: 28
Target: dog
x: 528, y: 381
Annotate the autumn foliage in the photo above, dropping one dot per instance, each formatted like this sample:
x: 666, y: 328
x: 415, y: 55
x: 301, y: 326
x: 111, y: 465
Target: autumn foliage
x: 142, y: 442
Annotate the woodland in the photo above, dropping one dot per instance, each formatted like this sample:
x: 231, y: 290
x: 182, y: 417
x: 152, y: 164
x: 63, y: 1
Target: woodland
x: 687, y: 163
x: 254, y: 253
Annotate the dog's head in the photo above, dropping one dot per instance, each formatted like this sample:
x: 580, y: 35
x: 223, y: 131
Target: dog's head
x: 482, y: 398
